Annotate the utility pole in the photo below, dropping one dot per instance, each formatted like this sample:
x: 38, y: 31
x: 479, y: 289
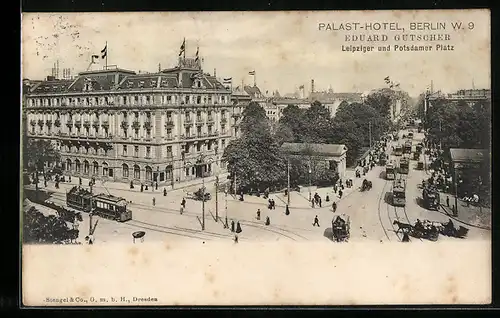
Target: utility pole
x: 216, y: 199
x: 310, y: 171
x: 440, y: 135
x: 370, y: 132
x: 288, y: 182
x: 203, y: 203
x: 91, y: 208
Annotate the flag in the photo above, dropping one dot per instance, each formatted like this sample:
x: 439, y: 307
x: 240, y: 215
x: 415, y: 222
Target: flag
x: 228, y: 80
x: 301, y: 87
x: 197, y: 54
x: 104, y: 51
x: 397, y: 85
x: 94, y: 57
x: 251, y: 73
x: 183, y: 47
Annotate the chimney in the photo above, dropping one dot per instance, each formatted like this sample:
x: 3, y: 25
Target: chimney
x: 312, y: 86
x: 215, y: 73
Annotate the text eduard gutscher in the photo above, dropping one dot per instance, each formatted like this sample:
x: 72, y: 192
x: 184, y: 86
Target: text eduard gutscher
x: 410, y: 37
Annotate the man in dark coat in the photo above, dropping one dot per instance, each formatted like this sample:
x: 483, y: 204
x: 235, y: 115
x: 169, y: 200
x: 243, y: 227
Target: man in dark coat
x: 164, y: 192
x: 238, y: 227
x: 268, y: 221
x: 232, y: 226
x: 183, y: 203
x: 258, y: 214
x: 287, y: 210
x: 316, y: 221
x: 340, y: 194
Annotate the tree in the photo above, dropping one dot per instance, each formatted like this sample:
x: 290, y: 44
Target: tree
x: 38, y: 228
x: 292, y: 122
x: 254, y: 158
x: 317, y: 124
x: 36, y: 153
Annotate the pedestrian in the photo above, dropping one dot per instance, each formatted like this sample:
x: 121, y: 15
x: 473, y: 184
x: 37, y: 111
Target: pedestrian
x: 335, y: 188
x: 45, y: 183
x: 69, y: 178
x: 181, y: 210
x: 327, y: 199
x: 287, y: 210
x: 142, y: 187
x: 316, y: 221
x: 232, y: 225
x: 154, y: 201
x: 258, y: 214
x: 274, y: 204
x: 319, y: 202
x: 236, y: 238
x: 334, y: 207
x: 312, y: 203
x: 131, y: 184
x: 183, y: 203
x: 80, y: 180
x: 340, y: 194
x: 269, y: 204
x: 238, y: 227
x: 226, y: 224
x: 268, y: 221
x: 146, y: 187
x: 164, y: 192
x: 156, y: 185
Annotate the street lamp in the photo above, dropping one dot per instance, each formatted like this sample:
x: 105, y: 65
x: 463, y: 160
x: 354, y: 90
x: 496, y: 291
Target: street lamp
x: 310, y: 171
x: 288, y: 182
x: 216, y: 186
x: 201, y: 159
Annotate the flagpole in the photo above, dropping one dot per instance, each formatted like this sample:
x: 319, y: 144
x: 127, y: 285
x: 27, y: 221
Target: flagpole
x: 107, y: 55
x: 254, y: 81
x: 185, y: 46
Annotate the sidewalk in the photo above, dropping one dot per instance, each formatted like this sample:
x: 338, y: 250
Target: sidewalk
x: 469, y: 215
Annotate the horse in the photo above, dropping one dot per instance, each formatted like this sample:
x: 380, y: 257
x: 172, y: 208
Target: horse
x: 402, y: 226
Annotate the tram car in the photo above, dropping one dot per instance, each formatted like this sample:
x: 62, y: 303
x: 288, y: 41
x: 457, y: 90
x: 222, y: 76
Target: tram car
x: 399, y: 193
x: 341, y: 228
x: 104, y: 205
x: 431, y: 198
x: 404, y: 165
x: 390, y: 174
x: 407, y: 147
x: 398, y: 150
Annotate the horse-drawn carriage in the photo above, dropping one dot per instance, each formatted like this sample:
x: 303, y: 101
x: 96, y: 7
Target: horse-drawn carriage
x: 200, y: 195
x: 426, y: 230
x: 449, y: 230
x: 366, y: 185
x: 341, y: 228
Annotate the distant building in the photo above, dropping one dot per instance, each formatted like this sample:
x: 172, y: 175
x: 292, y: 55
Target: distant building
x: 332, y: 100
x: 332, y: 155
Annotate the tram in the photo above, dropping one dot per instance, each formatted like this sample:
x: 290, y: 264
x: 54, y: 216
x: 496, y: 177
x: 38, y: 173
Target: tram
x: 398, y: 150
x: 404, y: 166
x: 104, y: 205
x: 407, y: 147
x: 389, y: 172
x: 399, y: 193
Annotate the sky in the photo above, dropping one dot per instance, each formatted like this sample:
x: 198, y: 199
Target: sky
x: 286, y: 49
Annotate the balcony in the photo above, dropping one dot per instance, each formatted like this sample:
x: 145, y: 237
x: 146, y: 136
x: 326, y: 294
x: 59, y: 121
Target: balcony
x: 210, y: 120
x: 48, y: 123
x: 136, y: 125
x: 78, y: 123
x: 124, y: 125
x: 223, y: 120
x: 213, y: 133
x: 57, y: 123
x: 169, y: 123
x: 40, y: 123
x: 147, y: 124
x: 199, y: 123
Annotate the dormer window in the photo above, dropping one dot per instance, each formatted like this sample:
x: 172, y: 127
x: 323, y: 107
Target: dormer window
x: 141, y: 84
x: 164, y: 83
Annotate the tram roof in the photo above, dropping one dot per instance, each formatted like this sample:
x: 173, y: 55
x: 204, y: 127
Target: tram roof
x: 110, y: 199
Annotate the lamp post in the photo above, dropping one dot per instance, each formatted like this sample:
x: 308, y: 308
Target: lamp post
x: 201, y: 159
x: 288, y: 182
x: 455, y: 212
x: 310, y: 171
x: 216, y: 186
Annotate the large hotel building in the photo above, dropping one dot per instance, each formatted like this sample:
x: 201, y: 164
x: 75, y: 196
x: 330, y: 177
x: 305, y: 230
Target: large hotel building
x: 168, y: 127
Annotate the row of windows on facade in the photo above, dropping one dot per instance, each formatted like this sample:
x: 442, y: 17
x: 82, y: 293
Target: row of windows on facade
x: 92, y: 132
x: 129, y: 100
x: 136, y: 115
x: 125, y: 149
x: 108, y: 172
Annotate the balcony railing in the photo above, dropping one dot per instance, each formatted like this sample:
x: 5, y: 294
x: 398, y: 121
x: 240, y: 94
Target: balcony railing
x: 136, y: 125
x: 40, y: 123
x: 170, y: 137
x: 124, y: 125
x: 147, y: 124
x: 48, y: 123
x: 169, y: 123
x: 223, y: 120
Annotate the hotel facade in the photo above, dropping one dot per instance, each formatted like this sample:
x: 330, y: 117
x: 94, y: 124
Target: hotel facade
x: 168, y: 127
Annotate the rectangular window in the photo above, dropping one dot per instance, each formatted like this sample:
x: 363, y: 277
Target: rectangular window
x: 209, y: 146
x: 169, y: 99
x: 187, y: 132
x: 187, y: 172
x: 199, y: 131
x: 198, y: 147
x: 223, y: 143
x: 169, y: 151
x: 186, y: 99
x: 148, y: 151
x: 136, y: 151
x: 169, y: 133
x: 124, y: 150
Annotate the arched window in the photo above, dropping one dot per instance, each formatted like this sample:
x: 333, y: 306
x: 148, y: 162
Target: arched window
x: 105, y: 170
x: 168, y: 173
x: 137, y: 172
x: 69, y: 166
x: 125, y: 170
x: 149, y: 173
x: 96, y: 168
x: 77, y: 165
x: 86, y: 167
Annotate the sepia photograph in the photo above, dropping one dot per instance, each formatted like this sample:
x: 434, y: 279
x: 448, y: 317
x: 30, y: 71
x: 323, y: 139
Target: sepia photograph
x: 256, y: 158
